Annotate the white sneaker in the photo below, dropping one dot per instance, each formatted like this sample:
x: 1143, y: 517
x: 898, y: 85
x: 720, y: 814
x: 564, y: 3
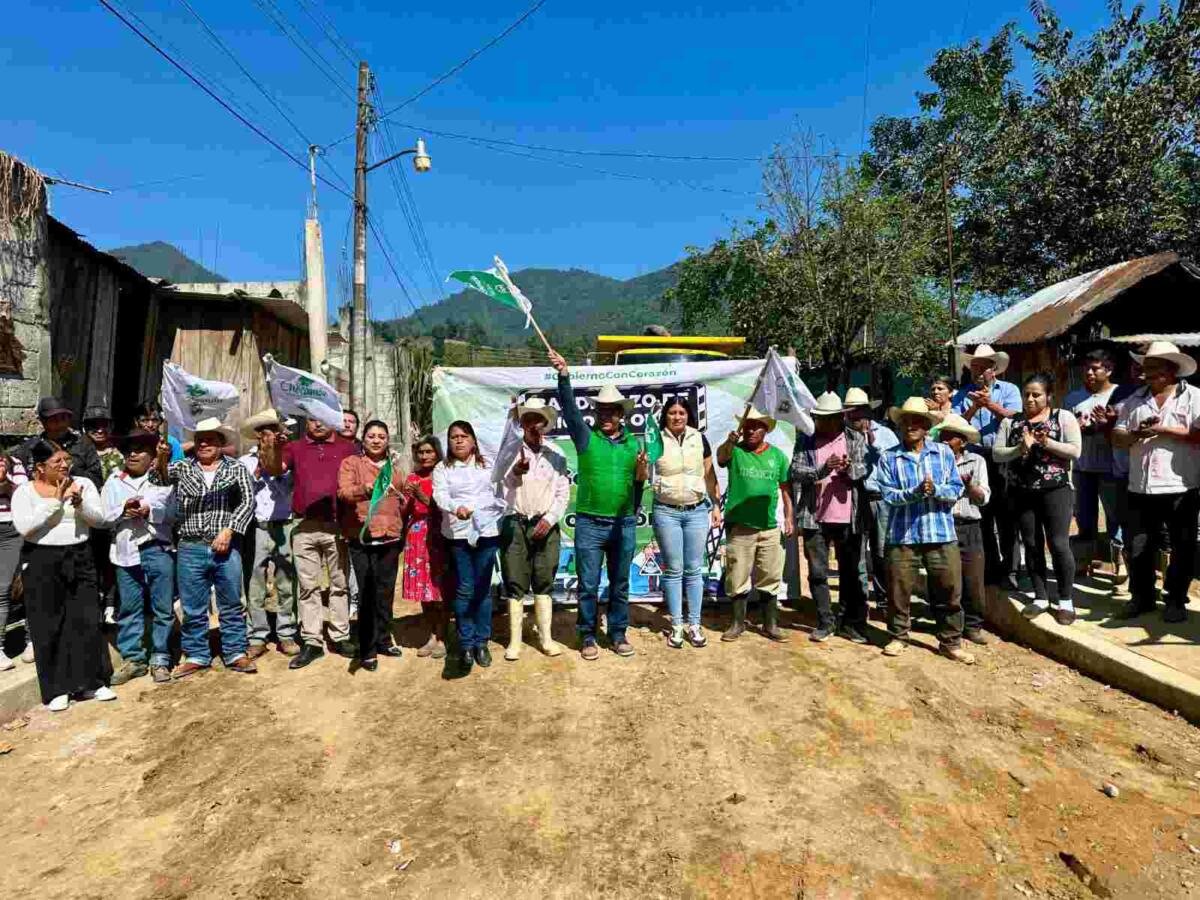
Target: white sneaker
x: 100, y: 693
x: 27, y: 653
x: 110, y: 616
x: 59, y: 703
x: 6, y: 663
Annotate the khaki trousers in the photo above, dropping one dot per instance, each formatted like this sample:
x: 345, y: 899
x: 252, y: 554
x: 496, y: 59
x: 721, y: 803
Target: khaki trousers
x: 754, y: 556
x: 318, y: 547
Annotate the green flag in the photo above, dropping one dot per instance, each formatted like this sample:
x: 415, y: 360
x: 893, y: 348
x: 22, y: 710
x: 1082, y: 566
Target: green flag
x: 654, y: 441
x: 382, y: 480
x: 492, y: 284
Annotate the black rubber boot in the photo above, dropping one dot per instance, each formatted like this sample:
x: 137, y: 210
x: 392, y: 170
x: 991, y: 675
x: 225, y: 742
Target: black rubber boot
x: 738, y: 625
x: 771, y: 617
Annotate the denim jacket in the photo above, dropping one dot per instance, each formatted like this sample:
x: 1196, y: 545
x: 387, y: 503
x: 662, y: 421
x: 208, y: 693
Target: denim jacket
x: 805, y: 476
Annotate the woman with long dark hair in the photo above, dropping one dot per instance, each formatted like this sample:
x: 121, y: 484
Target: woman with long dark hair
x: 425, y: 561
x: 54, y: 512
x: 471, y: 510
x: 1039, y: 444
x: 687, y: 503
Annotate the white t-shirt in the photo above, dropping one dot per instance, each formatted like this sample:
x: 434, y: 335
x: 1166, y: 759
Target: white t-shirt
x: 209, y: 476
x: 1163, y: 465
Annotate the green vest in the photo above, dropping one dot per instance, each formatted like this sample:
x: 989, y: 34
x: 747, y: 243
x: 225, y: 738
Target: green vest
x: 604, y: 486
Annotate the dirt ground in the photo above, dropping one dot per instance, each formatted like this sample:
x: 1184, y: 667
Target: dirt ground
x: 740, y: 770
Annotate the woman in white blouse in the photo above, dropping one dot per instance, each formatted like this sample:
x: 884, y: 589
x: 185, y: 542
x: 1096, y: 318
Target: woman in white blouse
x: 53, y: 512
x: 464, y: 493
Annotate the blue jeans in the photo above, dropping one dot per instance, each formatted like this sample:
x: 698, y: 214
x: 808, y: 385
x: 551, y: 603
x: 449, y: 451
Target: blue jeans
x: 682, y: 536
x: 202, y: 571
x: 1093, y: 490
x: 473, y: 600
x: 153, y: 580
x: 598, y: 540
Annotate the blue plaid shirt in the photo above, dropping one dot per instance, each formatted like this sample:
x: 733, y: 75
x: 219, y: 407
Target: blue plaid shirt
x: 914, y: 518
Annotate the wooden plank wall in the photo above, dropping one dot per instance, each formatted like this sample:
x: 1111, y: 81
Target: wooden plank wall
x: 83, y: 312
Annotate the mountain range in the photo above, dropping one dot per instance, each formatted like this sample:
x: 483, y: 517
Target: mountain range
x: 162, y: 260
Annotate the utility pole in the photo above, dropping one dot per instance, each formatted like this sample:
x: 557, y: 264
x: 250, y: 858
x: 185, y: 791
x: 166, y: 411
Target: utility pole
x: 314, y: 276
x: 950, y: 266
x: 358, y: 309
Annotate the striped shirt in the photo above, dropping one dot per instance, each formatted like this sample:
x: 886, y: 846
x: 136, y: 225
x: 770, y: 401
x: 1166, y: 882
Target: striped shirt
x: 913, y: 517
x: 203, y: 510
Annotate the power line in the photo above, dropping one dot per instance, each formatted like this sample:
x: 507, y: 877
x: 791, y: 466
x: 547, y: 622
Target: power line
x: 196, y: 81
x: 391, y: 265
x: 331, y: 33
x: 303, y: 45
x: 454, y: 70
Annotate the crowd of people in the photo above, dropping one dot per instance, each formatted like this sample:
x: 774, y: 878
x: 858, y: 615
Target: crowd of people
x: 956, y: 484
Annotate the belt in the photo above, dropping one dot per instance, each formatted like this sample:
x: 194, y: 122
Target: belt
x: 526, y: 520
x: 271, y: 522
x: 680, y: 507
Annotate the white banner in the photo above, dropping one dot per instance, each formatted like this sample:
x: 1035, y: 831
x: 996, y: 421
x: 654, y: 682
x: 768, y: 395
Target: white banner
x: 298, y: 393
x: 187, y: 399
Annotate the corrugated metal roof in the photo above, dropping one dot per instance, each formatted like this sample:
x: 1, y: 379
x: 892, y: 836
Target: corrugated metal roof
x: 1179, y: 340
x: 1054, y: 309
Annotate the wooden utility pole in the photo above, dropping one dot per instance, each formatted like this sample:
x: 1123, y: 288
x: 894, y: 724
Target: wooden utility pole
x: 950, y: 266
x: 358, y: 308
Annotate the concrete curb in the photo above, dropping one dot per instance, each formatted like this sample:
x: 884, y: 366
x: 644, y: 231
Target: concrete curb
x: 1103, y: 660
x: 18, y: 691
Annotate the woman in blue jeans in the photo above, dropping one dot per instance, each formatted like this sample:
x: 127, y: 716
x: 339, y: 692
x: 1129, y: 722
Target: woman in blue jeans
x: 471, y: 508
x: 687, y: 503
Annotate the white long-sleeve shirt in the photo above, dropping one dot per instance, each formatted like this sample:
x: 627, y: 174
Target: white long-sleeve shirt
x: 49, y: 521
x: 545, y: 490
x: 130, y: 532
x: 458, y: 484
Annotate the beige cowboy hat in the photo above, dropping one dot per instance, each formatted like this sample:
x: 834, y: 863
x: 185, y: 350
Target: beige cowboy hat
x: 757, y: 415
x: 985, y: 351
x: 956, y: 423
x: 828, y: 404
x: 535, y: 406
x: 915, y: 406
x: 610, y: 396
x: 858, y: 397
x: 1165, y: 350
x: 211, y: 424
x: 268, y: 417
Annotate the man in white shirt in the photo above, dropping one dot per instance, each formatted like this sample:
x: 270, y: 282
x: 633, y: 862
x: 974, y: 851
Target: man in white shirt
x: 142, y: 554
x: 1159, y: 426
x: 536, y: 490
x: 269, y: 542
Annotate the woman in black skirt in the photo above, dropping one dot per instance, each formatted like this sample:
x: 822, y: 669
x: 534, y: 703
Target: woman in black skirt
x: 53, y: 512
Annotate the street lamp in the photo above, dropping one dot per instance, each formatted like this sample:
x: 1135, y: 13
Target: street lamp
x: 421, y: 160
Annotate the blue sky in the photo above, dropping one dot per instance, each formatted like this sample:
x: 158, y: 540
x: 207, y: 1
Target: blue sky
x: 88, y: 101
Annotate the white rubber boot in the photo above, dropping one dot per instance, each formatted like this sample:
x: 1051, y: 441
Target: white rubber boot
x: 543, y: 610
x: 516, y: 612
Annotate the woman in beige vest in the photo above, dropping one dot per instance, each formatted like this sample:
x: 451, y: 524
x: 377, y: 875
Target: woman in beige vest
x: 687, y: 503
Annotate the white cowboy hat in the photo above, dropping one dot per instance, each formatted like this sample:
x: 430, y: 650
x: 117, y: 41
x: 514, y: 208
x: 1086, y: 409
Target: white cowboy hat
x: 915, y: 406
x: 1165, y: 350
x: 858, y: 397
x: 260, y: 420
x: 985, y: 351
x: 535, y: 406
x: 828, y: 404
x: 956, y: 423
x: 757, y: 415
x: 610, y: 396
x: 211, y: 424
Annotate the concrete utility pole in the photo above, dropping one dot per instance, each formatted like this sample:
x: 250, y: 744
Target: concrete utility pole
x: 358, y: 309
x: 950, y: 274
x: 314, y: 276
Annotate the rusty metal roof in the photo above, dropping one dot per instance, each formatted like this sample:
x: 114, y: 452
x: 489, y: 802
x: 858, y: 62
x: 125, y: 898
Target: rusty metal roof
x: 1054, y: 309
x: 1191, y: 339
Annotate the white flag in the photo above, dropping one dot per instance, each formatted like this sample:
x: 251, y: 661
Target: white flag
x: 510, y: 444
x: 783, y: 394
x: 298, y: 393
x: 187, y: 399
x: 523, y: 302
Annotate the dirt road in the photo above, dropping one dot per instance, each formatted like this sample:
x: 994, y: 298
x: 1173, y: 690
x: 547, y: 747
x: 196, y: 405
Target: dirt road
x: 740, y: 770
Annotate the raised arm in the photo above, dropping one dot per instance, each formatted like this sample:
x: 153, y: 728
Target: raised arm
x: 576, y: 427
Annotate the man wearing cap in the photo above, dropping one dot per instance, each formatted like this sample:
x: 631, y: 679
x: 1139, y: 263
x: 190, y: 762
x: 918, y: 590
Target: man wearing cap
x: 269, y: 542
x: 827, y: 470
x: 920, y: 484
x: 757, y: 483
x: 142, y: 554
x: 215, y: 502
x: 56, y: 428
x: 872, y: 510
x: 613, y: 470
x: 536, y: 489
x: 985, y: 403
x: 1158, y: 424
x: 956, y: 433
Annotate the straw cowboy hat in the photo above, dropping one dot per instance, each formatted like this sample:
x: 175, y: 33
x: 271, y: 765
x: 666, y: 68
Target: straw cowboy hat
x: 960, y: 426
x: 1167, y: 351
x: 535, y: 406
x: 828, y: 404
x: 984, y: 351
x: 211, y: 425
x: 610, y: 396
x: 858, y: 397
x: 915, y: 406
x: 757, y: 415
x: 268, y: 417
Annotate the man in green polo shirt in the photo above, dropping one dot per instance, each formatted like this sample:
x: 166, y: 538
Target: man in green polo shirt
x: 758, y: 479
x: 608, y: 492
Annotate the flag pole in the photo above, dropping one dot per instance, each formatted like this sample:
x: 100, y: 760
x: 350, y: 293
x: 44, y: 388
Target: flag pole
x: 757, y: 384
x: 538, y: 329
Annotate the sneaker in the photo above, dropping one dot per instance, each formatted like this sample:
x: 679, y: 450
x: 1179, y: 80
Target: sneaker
x: 110, y: 616
x: 852, y: 634
x: 977, y: 636
x: 128, y: 671
x: 589, y: 650
x: 675, y: 638
x: 1035, y: 609
x: 1064, y: 616
x: 59, y: 703
x: 27, y: 653
x: 958, y: 654
x: 821, y: 633
x: 160, y: 674
x: 696, y: 636
x: 1174, y: 614
x: 6, y: 663
x: 895, y: 648
x: 622, y: 647
x: 102, y: 694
